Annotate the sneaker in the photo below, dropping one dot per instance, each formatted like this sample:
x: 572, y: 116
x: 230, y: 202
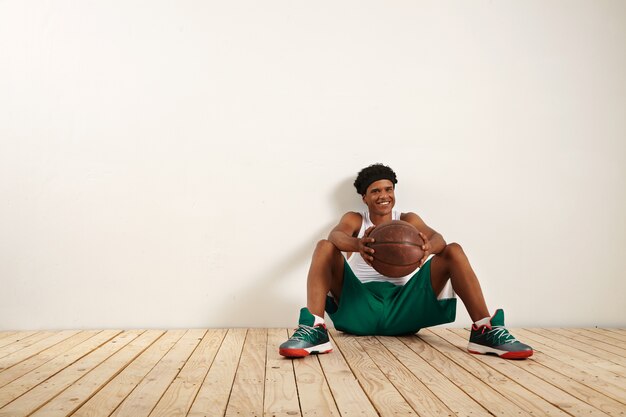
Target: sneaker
x: 495, y: 339
x: 307, y: 338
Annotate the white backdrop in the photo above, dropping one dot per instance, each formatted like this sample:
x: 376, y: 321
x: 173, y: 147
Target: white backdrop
x: 172, y: 164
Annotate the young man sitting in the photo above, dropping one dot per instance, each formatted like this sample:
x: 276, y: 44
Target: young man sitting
x: 361, y: 301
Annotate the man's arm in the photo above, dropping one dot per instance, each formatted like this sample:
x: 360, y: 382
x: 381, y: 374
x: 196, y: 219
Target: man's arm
x: 433, y: 238
x: 343, y: 236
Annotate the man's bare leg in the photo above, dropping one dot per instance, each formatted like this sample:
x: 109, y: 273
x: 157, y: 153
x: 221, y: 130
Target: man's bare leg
x: 325, y: 274
x: 452, y: 263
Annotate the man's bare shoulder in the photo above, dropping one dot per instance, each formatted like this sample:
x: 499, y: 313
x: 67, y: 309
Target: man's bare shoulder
x: 413, y: 218
x: 352, y: 215
x: 351, y: 218
x: 417, y: 221
x: 350, y: 223
x: 408, y: 216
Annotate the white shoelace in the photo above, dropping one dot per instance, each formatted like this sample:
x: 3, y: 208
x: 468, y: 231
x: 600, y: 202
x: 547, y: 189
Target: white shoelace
x: 303, y: 328
x: 499, y: 331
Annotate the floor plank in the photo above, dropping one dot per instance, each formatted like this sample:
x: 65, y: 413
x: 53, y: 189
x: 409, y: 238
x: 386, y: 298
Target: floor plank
x: 238, y: 372
x: 350, y: 398
x: 570, y: 396
x: 492, y: 399
x: 383, y: 395
x: 314, y: 392
x: 15, y: 337
x: 498, y: 374
x: 281, y: 394
x: 600, y: 344
x: 7, y: 335
x: 615, y: 330
x: 246, y: 397
x: 604, y: 334
x: 449, y: 393
x: 562, y: 361
x: 104, y: 402
x: 78, y: 393
x: 214, y: 393
x: 13, y: 372
x: 51, y: 387
x: 381, y: 392
x: 582, y: 346
x: 147, y: 394
x: 563, y: 351
x: 179, y: 396
x: 419, y: 397
x: 18, y: 356
x: 24, y: 343
x: 35, y: 377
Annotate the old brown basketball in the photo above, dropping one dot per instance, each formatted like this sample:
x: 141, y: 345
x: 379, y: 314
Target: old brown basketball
x: 397, y: 248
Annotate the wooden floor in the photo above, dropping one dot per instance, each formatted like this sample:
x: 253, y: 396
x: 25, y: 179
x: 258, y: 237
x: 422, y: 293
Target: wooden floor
x: 238, y: 372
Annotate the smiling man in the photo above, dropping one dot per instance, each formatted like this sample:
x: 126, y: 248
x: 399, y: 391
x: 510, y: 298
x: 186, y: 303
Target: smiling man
x: 361, y: 301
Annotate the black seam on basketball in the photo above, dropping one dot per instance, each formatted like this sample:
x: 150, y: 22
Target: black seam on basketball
x: 396, y: 243
x: 396, y: 223
x: 387, y: 263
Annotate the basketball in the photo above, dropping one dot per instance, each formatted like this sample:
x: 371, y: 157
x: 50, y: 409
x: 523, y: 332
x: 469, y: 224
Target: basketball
x: 397, y: 248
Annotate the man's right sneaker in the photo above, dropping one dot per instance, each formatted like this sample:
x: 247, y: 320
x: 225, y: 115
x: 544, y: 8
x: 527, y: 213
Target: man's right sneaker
x: 495, y: 339
x: 307, y: 338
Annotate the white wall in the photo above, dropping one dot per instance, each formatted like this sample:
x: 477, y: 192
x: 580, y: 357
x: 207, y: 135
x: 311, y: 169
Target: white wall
x: 172, y: 164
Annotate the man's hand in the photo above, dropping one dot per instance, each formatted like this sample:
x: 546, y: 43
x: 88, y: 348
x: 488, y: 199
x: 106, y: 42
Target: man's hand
x: 426, y: 247
x: 365, y: 251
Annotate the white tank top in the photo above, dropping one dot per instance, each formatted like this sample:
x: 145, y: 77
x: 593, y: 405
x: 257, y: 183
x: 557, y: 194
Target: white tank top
x: 361, y: 269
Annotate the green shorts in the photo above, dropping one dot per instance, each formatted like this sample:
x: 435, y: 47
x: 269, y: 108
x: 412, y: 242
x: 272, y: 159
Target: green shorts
x: 382, y: 308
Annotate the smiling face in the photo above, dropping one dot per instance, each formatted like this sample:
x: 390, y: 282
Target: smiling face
x: 380, y: 198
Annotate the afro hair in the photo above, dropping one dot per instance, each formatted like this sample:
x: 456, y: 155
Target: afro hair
x: 372, y: 174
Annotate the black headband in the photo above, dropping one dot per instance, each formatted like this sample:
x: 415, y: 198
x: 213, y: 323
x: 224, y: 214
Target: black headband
x: 377, y: 177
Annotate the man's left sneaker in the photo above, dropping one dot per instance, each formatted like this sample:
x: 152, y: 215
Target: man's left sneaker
x: 307, y: 338
x: 495, y: 339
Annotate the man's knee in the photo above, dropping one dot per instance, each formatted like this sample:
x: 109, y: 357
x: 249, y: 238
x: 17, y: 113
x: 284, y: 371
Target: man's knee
x: 452, y: 250
x: 325, y: 245
x: 326, y: 248
x: 326, y: 253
